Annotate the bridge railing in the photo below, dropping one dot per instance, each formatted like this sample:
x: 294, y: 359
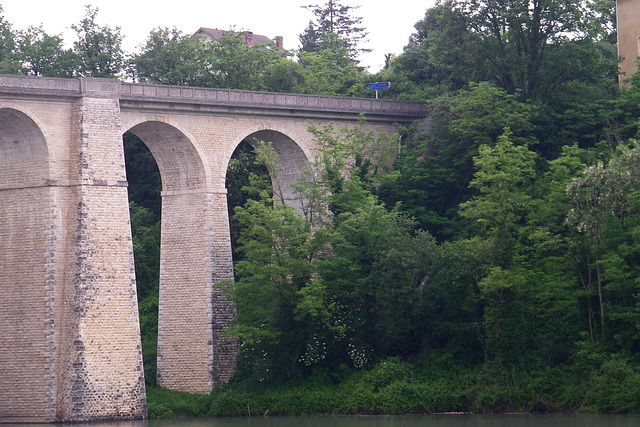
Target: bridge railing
x: 278, y: 100
x: 39, y: 85
x: 29, y: 85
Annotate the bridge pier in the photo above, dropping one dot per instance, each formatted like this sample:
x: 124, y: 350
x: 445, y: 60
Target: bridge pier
x: 193, y: 356
x: 100, y: 363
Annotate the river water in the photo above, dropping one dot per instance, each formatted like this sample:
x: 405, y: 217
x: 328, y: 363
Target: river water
x: 501, y: 420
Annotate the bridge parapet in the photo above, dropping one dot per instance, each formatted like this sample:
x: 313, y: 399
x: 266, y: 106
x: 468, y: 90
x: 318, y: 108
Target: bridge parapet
x: 272, y: 100
x: 402, y: 111
x: 52, y: 86
x: 29, y: 85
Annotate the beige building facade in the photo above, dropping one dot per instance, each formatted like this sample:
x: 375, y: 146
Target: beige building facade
x: 628, y: 27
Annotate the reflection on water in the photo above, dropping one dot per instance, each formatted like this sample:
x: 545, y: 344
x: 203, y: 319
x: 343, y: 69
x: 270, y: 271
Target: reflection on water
x: 508, y: 420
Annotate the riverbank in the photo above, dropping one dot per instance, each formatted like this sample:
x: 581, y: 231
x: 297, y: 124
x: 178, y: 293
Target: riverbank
x: 396, y: 387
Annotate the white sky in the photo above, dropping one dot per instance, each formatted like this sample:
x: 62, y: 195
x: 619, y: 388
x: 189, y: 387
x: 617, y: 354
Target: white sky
x: 389, y: 23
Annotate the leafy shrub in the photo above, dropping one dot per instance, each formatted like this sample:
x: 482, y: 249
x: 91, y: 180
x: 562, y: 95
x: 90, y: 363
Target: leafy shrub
x: 169, y: 403
x: 615, y: 388
x: 416, y: 398
x: 386, y: 372
x: 498, y: 398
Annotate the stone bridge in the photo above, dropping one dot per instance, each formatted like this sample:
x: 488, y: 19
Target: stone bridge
x: 69, y: 331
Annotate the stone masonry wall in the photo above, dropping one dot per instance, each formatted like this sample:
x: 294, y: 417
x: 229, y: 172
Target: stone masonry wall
x: 24, y: 311
x: 27, y: 276
x: 225, y: 350
x: 101, y: 359
x: 185, y: 341
x: 628, y: 25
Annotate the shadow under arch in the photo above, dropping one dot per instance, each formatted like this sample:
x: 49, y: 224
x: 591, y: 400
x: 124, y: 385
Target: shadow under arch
x: 181, y: 166
x: 292, y: 161
x: 25, y: 157
x: 27, y: 284
x: 194, y: 256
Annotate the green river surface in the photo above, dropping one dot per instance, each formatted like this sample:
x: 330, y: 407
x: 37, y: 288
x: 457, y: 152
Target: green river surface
x: 448, y: 420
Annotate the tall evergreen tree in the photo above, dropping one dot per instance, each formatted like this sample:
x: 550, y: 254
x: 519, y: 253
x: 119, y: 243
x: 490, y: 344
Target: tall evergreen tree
x: 334, y: 17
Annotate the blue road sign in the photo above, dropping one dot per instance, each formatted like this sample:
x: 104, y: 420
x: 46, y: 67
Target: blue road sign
x: 379, y: 85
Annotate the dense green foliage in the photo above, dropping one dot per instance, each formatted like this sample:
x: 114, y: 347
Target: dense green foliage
x: 485, y: 259
x: 144, y: 195
x: 430, y: 385
x: 96, y: 52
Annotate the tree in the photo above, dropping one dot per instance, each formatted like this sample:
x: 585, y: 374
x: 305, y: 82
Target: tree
x: 369, y: 245
x: 605, y: 212
x: 535, y: 50
x: 603, y: 20
x: 330, y: 71
x: 339, y: 284
x: 98, y: 48
x: 8, y: 62
x: 42, y: 54
x: 334, y: 17
x: 246, y: 178
x: 517, y: 37
x: 513, y: 288
x: 170, y: 57
x: 434, y: 169
x: 232, y: 64
x: 443, y: 29
x: 503, y: 179
x: 309, y: 39
x: 275, y: 270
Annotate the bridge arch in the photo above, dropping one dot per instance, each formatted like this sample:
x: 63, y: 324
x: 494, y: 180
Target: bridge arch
x: 25, y: 154
x: 182, y: 165
x: 26, y: 239
x: 279, y: 135
x: 192, y: 254
x: 293, y: 157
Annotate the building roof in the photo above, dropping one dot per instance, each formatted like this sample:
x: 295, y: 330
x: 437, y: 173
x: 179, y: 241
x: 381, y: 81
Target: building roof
x: 250, y: 38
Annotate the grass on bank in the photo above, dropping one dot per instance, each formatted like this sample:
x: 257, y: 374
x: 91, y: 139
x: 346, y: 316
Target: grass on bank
x: 396, y: 387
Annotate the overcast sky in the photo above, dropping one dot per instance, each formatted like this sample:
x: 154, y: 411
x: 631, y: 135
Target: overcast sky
x: 389, y: 23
